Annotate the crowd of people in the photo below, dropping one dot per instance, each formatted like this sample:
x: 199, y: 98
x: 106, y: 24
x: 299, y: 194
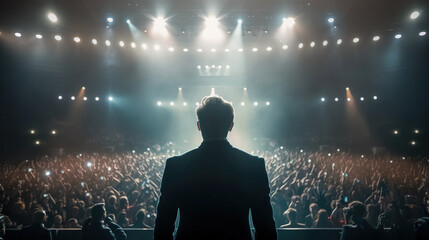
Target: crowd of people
x: 310, y: 189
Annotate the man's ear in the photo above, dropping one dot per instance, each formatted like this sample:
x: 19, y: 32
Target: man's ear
x: 198, y: 126
x: 230, y: 127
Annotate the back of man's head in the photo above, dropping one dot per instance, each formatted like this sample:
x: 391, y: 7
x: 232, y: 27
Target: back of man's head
x: 357, y: 209
x: 215, y: 116
x: 140, y: 215
x: 98, y: 212
x: 39, y: 216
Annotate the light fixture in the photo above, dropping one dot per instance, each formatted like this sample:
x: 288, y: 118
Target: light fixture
x: 52, y: 17
x: 58, y: 37
x: 76, y: 39
x: 376, y: 38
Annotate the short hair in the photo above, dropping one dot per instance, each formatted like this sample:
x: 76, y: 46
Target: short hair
x: 140, y: 215
x: 291, y: 214
x: 357, y: 209
x: 215, y: 116
x: 98, y: 211
x: 39, y: 216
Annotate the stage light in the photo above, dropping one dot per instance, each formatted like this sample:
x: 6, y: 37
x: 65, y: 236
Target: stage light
x: 72, y: 98
x: 121, y: 43
x: 398, y: 36
x: 159, y: 23
x: 243, y: 103
x: 269, y: 49
x: 60, y: 97
x: 97, y: 99
x: 94, y: 41
x: 110, y: 99
x: 47, y: 173
x: 159, y: 103
x: 285, y: 47
x: 336, y: 99
x: 17, y: 34
x: 356, y: 40
x: 52, y: 17
x: 76, y: 39
x: 239, y: 21
x: 213, y: 66
x: 375, y: 97
x: 290, y: 22
x: 249, y: 32
x: 376, y: 38
x: 197, y: 104
x: 199, y: 66
x: 362, y: 98
x: 312, y: 44
x: 322, y: 99
x: 255, y: 104
x: 107, y: 42
x: 171, y: 49
x: 58, y: 37
x: 144, y: 46
x: 156, y: 47
x: 226, y: 49
x: 39, y: 36
x: 396, y: 132
x: 128, y: 21
x: 254, y: 49
x: 240, y: 50
x: 339, y: 41
x: 207, y: 67
x: 171, y: 103
x: 325, y: 43
x: 301, y: 45
x: 416, y: 131
x: 331, y: 20
x: 185, y: 50
x: 185, y: 104
x: 244, y: 89
x: 227, y: 66
x: 413, y: 143
x: 109, y: 20
x: 133, y: 45
x: 199, y: 50
x: 349, y: 99
x: 32, y: 131
x: 53, y: 132
x: 267, y: 103
x: 347, y: 88
x: 414, y: 15
x: 213, y: 50
x: 89, y: 164
x: 421, y: 34
x: 85, y: 98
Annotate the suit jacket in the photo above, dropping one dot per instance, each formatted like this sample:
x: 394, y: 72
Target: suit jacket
x: 36, y: 231
x: 214, y: 187
x: 94, y: 230
x: 361, y: 231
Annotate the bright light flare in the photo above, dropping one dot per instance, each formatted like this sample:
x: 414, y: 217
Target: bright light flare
x: 76, y: 39
x: 121, y: 43
x: 339, y: 41
x: 60, y: 97
x: 17, y: 34
x: 289, y: 22
x: 39, y: 36
x: 398, y: 36
x: 52, y: 17
x: 414, y: 15
x: 421, y: 34
x: 355, y: 40
x: 58, y: 37
x: 325, y: 43
x: 47, y: 173
x: 109, y: 19
x: 159, y: 26
x: 331, y: 20
x: 110, y: 99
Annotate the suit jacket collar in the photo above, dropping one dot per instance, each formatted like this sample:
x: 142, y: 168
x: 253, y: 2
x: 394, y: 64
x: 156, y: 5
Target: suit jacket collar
x: 215, y: 142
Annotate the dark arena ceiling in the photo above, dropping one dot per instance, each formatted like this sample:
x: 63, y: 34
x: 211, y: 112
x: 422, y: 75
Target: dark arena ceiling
x: 299, y: 56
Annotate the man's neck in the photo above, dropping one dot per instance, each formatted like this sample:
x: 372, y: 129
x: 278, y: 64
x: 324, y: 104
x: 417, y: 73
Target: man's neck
x: 214, y: 139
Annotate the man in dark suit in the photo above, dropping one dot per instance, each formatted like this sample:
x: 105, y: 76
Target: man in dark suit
x: 37, y: 230
x: 215, y: 186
